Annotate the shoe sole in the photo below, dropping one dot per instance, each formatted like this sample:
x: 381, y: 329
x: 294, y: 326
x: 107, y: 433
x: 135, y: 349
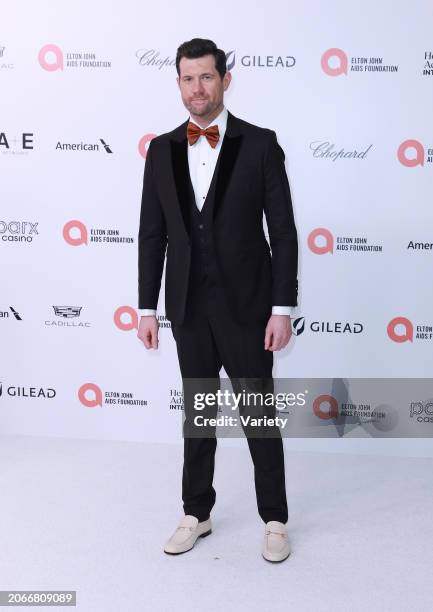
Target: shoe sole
x: 276, y: 561
x: 202, y: 535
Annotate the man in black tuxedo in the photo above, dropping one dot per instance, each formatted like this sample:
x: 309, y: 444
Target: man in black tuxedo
x: 206, y: 185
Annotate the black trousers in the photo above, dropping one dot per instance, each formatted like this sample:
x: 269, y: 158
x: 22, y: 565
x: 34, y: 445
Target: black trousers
x: 208, y: 339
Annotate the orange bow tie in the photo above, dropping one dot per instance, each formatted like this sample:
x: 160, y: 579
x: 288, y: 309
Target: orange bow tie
x: 194, y: 132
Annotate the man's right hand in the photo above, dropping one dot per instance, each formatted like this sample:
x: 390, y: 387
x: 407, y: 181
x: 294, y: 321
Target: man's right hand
x: 148, y: 331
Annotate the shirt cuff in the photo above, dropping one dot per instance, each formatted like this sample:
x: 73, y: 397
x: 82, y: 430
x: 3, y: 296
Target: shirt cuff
x: 282, y: 310
x: 144, y: 312
x: 277, y: 310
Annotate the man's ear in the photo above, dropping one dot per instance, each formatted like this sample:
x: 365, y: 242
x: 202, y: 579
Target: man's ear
x: 227, y: 79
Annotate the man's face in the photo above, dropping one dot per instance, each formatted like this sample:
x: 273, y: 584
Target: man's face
x: 201, y: 86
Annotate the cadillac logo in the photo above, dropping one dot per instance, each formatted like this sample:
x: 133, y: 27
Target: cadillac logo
x: 67, y: 312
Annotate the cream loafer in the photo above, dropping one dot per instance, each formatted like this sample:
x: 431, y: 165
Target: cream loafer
x: 186, y: 534
x: 276, y: 545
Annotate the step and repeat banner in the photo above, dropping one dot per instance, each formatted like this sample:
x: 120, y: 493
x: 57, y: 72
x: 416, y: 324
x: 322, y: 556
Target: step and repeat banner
x: 348, y: 89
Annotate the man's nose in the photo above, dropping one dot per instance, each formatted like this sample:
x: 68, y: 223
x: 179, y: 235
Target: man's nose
x: 198, y: 87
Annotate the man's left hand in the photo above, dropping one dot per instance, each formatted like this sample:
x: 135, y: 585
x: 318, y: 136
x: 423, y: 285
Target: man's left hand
x: 278, y: 332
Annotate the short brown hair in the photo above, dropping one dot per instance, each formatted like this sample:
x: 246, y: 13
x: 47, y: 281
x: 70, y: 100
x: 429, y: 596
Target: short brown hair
x: 198, y: 47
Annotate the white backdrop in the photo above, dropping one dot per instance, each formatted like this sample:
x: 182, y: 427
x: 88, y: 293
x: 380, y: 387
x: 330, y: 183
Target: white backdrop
x: 348, y: 89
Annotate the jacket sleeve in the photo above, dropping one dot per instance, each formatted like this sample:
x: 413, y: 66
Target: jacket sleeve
x: 152, y: 240
x: 281, y: 226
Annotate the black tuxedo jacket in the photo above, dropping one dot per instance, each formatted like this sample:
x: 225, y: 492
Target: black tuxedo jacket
x: 249, y: 178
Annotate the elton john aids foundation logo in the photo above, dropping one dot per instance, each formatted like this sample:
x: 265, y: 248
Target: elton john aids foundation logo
x: 411, y: 153
x: 327, y: 407
x: 125, y: 318
x: 75, y: 233
x: 400, y: 329
x: 321, y: 241
x: 337, y: 56
x: 335, y: 62
x: 332, y: 407
x: 143, y: 144
x: 91, y: 395
x: 52, y: 58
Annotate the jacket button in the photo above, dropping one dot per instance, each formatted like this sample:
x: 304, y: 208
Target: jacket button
x: 201, y: 226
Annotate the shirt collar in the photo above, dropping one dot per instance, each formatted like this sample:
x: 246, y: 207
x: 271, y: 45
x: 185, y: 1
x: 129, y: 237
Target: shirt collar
x: 220, y: 121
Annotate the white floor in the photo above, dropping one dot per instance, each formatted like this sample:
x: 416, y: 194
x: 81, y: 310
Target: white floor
x: 92, y: 516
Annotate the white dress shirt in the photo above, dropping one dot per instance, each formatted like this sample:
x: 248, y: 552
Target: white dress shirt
x: 202, y: 159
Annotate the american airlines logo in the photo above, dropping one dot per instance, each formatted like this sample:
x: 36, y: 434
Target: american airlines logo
x: 83, y: 146
x: 4, y: 314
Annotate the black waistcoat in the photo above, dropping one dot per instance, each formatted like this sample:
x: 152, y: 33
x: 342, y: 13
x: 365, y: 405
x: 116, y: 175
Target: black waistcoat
x: 204, y: 266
